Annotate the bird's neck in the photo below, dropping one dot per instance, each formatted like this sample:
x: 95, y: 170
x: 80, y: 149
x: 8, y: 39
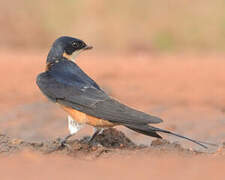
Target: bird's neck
x: 56, y: 53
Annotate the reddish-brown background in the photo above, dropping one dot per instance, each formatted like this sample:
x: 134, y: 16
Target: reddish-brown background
x: 163, y: 57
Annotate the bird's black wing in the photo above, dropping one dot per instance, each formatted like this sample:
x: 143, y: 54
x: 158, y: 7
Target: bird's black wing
x: 68, y: 85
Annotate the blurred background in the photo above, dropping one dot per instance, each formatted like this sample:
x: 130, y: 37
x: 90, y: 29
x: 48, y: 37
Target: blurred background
x: 126, y: 26
x: 164, y: 57
x: 168, y: 56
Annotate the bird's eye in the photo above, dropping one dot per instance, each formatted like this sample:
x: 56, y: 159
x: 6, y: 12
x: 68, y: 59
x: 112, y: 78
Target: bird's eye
x: 75, y: 44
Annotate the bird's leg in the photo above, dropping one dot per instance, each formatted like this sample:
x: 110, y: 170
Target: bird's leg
x: 97, y: 131
x: 63, y: 140
x: 73, y: 127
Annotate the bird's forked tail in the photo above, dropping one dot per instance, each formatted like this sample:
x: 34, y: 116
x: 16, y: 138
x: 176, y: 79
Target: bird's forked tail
x: 152, y: 131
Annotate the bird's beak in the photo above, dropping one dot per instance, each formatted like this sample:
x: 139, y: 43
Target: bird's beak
x: 87, y: 48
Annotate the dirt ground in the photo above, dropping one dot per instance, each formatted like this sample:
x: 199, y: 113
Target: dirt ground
x: 187, y: 91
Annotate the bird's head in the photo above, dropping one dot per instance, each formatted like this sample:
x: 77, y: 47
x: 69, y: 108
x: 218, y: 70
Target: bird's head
x: 67, y: 47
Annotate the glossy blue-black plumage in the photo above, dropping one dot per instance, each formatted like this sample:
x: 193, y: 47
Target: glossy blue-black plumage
x: 67, y: 84
x: 68, y: 72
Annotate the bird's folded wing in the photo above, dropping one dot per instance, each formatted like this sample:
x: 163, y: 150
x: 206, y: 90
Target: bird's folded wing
x: 92, y: 101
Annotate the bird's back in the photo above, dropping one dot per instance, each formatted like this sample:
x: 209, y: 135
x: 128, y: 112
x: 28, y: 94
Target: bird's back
x: 67, y: 84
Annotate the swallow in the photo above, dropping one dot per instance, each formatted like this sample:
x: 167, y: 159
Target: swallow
x: 64, y: 83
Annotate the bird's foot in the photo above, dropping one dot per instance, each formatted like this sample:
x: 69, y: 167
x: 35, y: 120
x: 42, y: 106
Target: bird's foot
x: 63, y: 142
x: 91, y: 141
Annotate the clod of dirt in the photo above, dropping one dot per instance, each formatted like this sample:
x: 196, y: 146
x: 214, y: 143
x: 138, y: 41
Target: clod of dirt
x: 164, y: 145
x: 8, y: 145
x: 110, y: 140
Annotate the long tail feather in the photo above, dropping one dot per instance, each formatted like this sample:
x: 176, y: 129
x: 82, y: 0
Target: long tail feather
x: 152, y: 131
x: 184, y: 137
x: 208, y: 143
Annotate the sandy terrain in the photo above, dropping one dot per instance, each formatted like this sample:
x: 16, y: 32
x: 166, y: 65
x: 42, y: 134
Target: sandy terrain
x: 187, y: 91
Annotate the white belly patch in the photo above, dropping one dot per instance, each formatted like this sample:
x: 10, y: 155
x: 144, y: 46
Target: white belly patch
x: 73, y: 125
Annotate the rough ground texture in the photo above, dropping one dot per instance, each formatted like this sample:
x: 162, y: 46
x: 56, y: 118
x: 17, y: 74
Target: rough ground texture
x: 109, y: 141
x: 112, y: 155
x: 186, y: 91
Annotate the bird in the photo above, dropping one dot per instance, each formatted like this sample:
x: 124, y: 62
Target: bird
x: 66, y: 84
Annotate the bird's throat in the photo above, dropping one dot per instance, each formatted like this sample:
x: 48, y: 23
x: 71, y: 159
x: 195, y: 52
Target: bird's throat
x: 73, y: 56
x: 67, y: 56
